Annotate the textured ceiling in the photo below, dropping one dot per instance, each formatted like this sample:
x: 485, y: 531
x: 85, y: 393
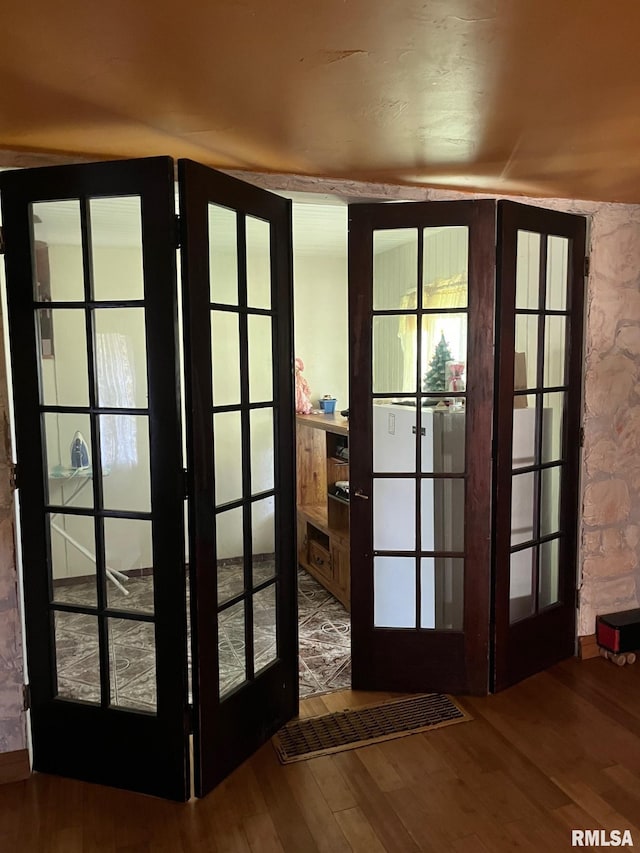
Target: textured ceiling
x: 519, y: 96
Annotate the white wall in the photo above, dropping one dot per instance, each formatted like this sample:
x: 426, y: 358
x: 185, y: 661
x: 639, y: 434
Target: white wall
x: 321, y: 323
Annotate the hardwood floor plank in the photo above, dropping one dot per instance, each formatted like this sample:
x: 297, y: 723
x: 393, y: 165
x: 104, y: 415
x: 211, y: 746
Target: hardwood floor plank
x: 625, y: 778
x: 609, y: 687
x: 313, y: 706
x: 569, y: 737
x: 229, y: 834
x: 503, y: 800
x: 244, y: 790
x: 67, y: 840
x: 194, y: 829
x: 534, y: 836
x: 466, y: 750
x: 469, y: 844
x: 379, y: 768
x: 343, y: 699
x: 223, y: 820
x: 416, y: 756
x: 315, y: 809
x: 428, y: 831
x: 445, y: 807
x: 597, y: 807
x: 359, y: 832
x: 625, y: 803
x: 573, y: 816
x: 332, y: 783
x: 287, y: 817
x: 262, y: 835
x: 374, y: 805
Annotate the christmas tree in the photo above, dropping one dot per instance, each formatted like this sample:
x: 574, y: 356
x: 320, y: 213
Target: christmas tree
x: 436, y: 378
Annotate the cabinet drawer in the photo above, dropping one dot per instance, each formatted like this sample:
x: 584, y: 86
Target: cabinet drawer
x: 319, y: 558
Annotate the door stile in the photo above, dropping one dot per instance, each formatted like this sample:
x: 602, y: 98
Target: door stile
x: 360, y: 271
x: 481, y: 345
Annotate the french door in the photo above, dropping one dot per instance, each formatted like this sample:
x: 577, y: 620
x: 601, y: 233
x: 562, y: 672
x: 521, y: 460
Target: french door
x: 464, y: 496
x: 421, y: 304
x: 93, y: 321
x: 540, y: 307
x: 95, y: 375
x: 238, y: 324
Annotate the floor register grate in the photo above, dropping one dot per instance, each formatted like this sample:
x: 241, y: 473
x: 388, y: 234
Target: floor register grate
x: 313, y: 736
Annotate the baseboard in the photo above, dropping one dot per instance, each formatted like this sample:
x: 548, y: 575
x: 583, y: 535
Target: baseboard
x: 74, y: 580
x: 588, y: 647
x: 14, y: 766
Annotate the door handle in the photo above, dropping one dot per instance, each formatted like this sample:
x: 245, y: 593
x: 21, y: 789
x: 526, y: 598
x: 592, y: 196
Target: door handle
x: 360, y: 494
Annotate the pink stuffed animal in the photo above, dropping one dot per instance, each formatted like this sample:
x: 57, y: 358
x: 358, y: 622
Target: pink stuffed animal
x: 303, y: 393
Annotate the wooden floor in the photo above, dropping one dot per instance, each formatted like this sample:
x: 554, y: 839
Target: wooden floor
x: 559, y: 751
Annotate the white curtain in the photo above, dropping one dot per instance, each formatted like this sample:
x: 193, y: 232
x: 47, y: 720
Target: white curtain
x: 448, y: 293
x: 116, y: 387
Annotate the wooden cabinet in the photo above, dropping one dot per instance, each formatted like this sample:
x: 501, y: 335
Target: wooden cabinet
x: 322, y: 458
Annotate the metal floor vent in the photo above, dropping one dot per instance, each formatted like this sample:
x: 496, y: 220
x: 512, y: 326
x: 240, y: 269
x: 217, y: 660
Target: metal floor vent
x: 312, y: 736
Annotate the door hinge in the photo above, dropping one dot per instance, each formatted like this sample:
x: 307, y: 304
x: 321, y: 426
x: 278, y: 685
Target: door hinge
x: 178, y: 232
x: 185, y: 483
x: 1, y: 240
x: 587, y: 266
x: 26, y: 697
x: 13, y: 476
x: 581, y: 437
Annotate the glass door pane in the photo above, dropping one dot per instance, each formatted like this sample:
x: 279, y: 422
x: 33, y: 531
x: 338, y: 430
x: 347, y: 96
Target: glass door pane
x: 540, y: 365
x: 433, y: 362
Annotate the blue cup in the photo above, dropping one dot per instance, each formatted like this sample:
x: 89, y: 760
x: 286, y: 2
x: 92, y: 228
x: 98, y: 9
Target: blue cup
x: 328, y: 406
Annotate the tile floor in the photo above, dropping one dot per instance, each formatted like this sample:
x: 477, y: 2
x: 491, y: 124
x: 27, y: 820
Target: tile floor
x: 324, y: 640
x: 324, y: 631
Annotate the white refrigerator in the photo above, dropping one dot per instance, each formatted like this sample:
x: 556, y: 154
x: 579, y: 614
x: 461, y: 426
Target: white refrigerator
x: 442, y: 446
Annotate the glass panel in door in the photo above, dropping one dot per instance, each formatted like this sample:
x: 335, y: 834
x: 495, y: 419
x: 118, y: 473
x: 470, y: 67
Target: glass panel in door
x: 422, y: 434
x: 541, y: 361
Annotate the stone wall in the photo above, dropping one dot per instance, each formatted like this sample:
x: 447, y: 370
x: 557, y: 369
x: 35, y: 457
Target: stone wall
x: 12, y: 717
x: 611, y: 470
